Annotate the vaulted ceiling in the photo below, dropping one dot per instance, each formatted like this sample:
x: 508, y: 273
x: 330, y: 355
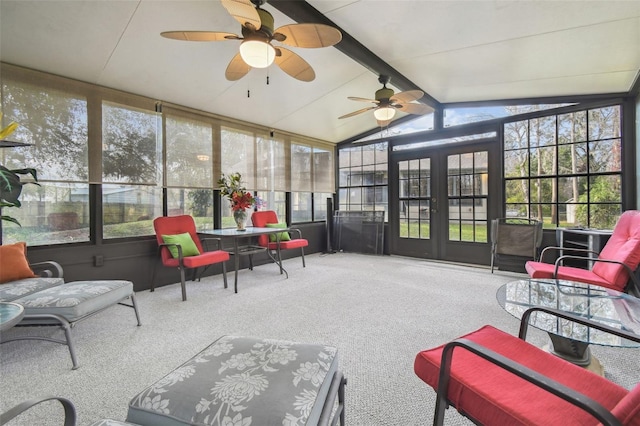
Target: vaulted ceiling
x: 455, y: 51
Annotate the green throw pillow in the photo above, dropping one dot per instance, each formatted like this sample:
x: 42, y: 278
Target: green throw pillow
x: 284, y: 236
x: 189, y: 248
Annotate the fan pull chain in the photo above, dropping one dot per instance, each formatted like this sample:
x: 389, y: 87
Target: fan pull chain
x: 248, y: 93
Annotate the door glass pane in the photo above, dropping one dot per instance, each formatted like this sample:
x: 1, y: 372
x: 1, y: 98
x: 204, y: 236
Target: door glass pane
x: 414, y: 191
x: 467, y: 179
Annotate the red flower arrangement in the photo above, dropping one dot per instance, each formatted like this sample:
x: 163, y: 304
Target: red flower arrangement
x: 231, y: 187
x: 241, y: 200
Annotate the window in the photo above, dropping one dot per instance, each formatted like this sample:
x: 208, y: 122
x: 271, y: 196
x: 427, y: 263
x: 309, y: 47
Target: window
x: 363, y: 178
x: 565, y: 169
x: 459, y: 116
x: 131, y: 194
x: 238, y: 156
x: 55, y: 123
x: 189, y: 169
x: 118, y: 153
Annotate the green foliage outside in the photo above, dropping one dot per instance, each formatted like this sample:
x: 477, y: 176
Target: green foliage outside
x: 464, y: 233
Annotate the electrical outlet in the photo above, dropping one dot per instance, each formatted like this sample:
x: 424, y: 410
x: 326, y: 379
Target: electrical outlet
x: 98, y: 260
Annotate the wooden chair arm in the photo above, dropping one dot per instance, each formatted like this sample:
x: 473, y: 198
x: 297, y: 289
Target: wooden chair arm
x: 69, y: 409
x: 47, y: 269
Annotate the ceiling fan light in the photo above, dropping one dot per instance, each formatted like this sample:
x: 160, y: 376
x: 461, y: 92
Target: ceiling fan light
x: 384, y: 113
x: 257, y: 54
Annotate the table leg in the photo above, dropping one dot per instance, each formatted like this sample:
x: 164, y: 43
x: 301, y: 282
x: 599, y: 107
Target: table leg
x: 571, y: 350
x: 236, y: 263
x: 575, y: 352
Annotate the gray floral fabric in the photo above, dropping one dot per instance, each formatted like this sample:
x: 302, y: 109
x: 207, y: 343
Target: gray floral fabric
x: 20, y: 288
x: 241, y: 381
x: 76, y: 299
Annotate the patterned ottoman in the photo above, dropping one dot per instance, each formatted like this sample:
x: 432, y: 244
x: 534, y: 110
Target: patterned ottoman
x: 67, y: 303
x: 247, y: 381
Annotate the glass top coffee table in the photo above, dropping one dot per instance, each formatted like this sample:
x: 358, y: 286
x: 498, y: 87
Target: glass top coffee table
x: 10, y: 315
x: 570, y: 340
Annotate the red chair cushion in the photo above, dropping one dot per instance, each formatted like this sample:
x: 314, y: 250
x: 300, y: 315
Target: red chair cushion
x: 260, y: 220
x: 491, y: 395
x: 623, y: 246
x: 545, y: 270
x: 206, y: 258
x: 628, y: 410
x: 173, y: 225
x: 291, y: 244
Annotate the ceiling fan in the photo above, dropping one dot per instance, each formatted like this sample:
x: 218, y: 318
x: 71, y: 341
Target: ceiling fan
x: 256, y: 50
x: 387, y: 102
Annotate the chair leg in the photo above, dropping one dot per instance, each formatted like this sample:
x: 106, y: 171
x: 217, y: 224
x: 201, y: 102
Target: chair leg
x: 224, y: 273
x: 153, y: 276
x: 134, y: 305
x: 72, y: 352
x: 302, y: 251
x: 182, y: 283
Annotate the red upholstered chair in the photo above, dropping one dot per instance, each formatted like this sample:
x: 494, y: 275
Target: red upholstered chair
x: 170, y: 234
x: 495, y: 378
x: 613, y: 268
x: 262, y: 219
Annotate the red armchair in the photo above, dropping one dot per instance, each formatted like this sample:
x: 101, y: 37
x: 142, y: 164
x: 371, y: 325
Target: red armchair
x: 613, y: 268
x: 262, y: 219
x: 495, y: 378
x: 181, y: 251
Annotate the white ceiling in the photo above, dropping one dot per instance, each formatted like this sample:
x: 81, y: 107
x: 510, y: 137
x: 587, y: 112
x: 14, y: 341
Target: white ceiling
x: 456, y: 51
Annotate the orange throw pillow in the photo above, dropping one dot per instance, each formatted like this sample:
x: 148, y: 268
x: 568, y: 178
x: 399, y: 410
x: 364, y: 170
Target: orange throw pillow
x: 13, y: 263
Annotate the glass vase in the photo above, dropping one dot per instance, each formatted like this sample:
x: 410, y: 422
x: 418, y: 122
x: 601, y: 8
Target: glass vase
x: 240, y: 216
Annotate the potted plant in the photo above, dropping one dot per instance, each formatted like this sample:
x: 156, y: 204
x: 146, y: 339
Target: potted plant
x: 10, y: 182
x: 240, y: 199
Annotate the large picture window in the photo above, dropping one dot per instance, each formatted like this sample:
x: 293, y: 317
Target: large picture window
x: 565, y: 169
x: 110, y: 162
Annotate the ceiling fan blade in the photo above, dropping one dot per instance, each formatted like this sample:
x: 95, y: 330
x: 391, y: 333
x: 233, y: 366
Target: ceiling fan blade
x: 418, y: 109
x: 236, y: 69
x: 294, y: 65
x: 355, y: 98
x: 243, y: 11
x: 199, y: 35
x: 308, y: 35
x: 408, y: 96
x: 360, y: 111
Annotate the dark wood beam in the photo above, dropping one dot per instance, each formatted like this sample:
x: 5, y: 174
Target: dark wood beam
x: 301, y: 11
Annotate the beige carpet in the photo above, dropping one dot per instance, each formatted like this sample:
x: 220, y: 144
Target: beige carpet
x: 378, y: 310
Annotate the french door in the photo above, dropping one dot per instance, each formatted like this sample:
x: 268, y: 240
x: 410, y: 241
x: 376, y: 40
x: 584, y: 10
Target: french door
x: 442, y: 201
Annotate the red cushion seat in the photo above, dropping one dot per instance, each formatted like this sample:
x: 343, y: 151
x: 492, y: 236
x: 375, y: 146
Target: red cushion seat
x: 491, y: 395
x: 183, y: 224
x: 203, y: 259
x: 261, y: 219
x: 623, y: 246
